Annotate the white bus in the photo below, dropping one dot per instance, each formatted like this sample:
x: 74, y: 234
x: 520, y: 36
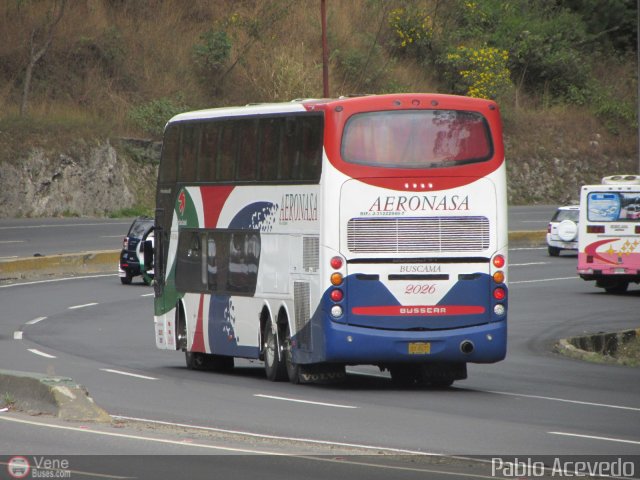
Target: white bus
x: 609, y: 237
x: 323, y: 233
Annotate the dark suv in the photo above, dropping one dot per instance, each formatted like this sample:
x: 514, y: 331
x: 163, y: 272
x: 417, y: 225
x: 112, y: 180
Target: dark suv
x: 132, y: 256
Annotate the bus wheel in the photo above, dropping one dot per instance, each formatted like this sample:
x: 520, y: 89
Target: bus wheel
x: 293, y: 369
x: 195, y: 360
x: 274, y: 362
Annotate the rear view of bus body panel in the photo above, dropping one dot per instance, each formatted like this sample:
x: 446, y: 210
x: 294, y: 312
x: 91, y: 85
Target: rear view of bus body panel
x: 417, y: 276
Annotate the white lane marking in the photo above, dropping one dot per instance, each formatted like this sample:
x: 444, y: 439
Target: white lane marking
x: 3, y: 242
x: 527, y: 264
x: 17, y: 335
x: 564, y: 400
x: 36, y: 320
x: 526, y: 248
x: 53, y: 280
x: 120, y: 372
x: 594, y: 437
x: 148, y: 295
x: 545, y: 280
x: 276, y: 437
x: 303, y: 401
x: 75, y: 307
x: 42, y: 354
x: 11, y: 256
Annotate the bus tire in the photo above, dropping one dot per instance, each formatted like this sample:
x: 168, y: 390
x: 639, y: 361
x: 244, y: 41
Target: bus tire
x: 292, y: 369
x: 195, y: 360
x: 274, y: 362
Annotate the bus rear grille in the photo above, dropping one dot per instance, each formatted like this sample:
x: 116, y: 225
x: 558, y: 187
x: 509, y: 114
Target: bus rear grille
x: 422, y: 234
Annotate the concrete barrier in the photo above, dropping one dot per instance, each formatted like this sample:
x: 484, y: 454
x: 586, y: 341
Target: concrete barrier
x: 42, y: 394
x: 71, y: 263
x: 601, y: 347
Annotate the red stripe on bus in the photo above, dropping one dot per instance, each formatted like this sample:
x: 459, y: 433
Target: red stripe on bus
x: 198, y: 334
x: 213, y: 199
x: 419, y: 310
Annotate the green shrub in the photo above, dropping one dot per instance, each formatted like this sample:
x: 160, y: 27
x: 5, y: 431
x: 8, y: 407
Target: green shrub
x: 213, y: 53
x: 152, y: 116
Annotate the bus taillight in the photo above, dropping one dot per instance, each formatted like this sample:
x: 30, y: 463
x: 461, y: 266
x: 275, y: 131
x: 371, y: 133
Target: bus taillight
x: 596, y: 229
x: 498, y: 261
x: 336, y: 263
x: 336, y: 279
x: 498, y: 277
x: 336, y: 295
x: 499, y: 293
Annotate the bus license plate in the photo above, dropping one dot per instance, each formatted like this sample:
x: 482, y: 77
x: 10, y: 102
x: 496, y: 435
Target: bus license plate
x: 419, y: 348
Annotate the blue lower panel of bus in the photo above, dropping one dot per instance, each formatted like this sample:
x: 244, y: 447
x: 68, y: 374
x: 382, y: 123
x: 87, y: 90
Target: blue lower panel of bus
x: 357, y: 345
x: 376, y: 328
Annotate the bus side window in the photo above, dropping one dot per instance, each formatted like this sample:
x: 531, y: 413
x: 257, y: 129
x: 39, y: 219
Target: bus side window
x: 247, y: 149
x: 208, y: 151
x: 212, y: 263
x: 311, y: 148
x: 288, y: 149
x: 188, y: 163
x: 169, y: 160
x: 189, y: 265
x: 269, y: 145
x: 226, y: 161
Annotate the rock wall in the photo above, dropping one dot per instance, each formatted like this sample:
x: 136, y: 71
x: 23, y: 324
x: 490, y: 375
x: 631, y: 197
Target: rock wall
x: 87, y: 181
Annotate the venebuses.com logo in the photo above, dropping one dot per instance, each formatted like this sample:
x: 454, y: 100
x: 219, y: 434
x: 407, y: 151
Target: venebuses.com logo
x: 39, y: 467
x: 18, y: 467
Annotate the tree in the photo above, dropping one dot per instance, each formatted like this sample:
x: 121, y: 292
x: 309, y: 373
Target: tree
x: 35, y: 52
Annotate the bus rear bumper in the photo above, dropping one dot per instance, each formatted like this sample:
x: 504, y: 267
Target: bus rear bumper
x: 356, y: 345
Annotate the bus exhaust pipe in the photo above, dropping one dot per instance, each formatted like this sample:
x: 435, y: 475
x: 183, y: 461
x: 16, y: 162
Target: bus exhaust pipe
x: 466, y: 347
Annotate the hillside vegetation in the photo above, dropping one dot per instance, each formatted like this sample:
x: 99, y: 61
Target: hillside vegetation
x: 563, y: 71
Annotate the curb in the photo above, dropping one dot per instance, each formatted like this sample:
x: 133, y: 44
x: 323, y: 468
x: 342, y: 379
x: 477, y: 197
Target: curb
x: 528, y: 238
x: 59, y: 396
x: 70, y: 263
x: 598, y: 347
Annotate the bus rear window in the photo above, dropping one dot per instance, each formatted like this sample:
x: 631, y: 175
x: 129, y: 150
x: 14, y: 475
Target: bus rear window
x: 416, y: 139
x: 613, y: 206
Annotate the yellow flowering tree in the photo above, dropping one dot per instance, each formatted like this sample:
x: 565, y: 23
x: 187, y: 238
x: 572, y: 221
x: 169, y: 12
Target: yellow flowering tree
x: 478, y: 72
x: 413, y: 30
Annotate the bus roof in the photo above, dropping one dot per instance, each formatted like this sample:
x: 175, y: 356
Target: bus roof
x: 319, y: 104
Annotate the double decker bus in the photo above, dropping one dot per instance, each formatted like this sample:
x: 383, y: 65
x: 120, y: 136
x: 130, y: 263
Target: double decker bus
x: 317, y: 234
x: 609, y: 233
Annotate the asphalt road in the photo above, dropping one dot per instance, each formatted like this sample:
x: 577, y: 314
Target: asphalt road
x: 27, y: 237
x: 100, y: 333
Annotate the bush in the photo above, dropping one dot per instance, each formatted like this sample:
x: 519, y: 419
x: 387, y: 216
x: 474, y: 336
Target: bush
x: 151, y: 117
x: 213, y: 53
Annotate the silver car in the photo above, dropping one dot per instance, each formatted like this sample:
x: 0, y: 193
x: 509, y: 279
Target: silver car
x: 562, y: 232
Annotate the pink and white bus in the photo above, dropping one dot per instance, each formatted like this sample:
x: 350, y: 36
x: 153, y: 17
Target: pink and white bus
x: 318, y: 234
x: 609, y: 235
